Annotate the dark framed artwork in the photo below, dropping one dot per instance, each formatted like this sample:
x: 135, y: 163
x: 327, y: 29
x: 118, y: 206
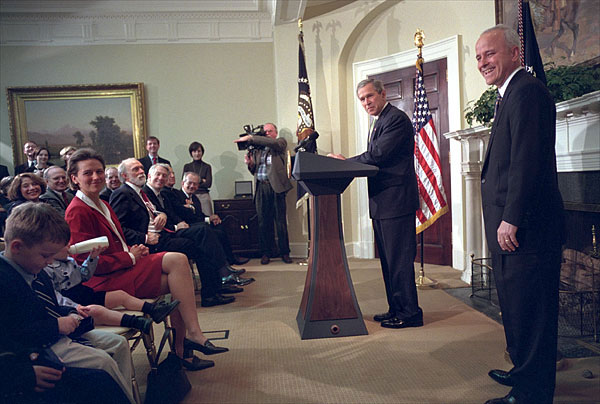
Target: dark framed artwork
x: 567, y: 31
x: 109, y: 118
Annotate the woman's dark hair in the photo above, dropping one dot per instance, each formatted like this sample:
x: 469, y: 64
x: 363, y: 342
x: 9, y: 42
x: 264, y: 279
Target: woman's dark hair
x: 195, y: 146
x: 39, y: 149
x: 14, y: 191
x: 82, y: 155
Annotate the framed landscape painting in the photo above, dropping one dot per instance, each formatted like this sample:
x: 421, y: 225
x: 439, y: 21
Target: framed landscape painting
x: 110, y: 118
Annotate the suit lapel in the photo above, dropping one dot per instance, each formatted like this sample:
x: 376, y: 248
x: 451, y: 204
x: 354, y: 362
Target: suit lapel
x: 499, y: 116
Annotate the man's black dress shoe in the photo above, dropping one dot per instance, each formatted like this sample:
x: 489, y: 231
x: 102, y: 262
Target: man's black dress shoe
x: 234, y: 279
x: 197, y: 364
x: 234, y: 271
x: 395, y: 322
x: 230, y: 289
x: 286, y: 258
x: 239, y: 260
x: 265, y: 260
x: 162, y: 310
x: 217, y: 300
x: 207, y: 348
x: 383, y: 316
x: 502, y: 377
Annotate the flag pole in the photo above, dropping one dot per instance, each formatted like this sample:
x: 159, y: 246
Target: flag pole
x: 422, y: 280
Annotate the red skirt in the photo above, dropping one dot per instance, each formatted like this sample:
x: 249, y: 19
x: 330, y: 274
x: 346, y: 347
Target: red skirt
x: 142, y: 280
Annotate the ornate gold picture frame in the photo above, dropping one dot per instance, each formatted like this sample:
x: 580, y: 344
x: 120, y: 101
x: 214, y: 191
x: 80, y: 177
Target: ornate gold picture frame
x: 109, y: 118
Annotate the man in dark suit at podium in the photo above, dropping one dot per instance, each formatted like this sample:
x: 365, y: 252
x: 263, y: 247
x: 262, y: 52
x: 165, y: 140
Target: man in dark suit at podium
x: 393, y: 201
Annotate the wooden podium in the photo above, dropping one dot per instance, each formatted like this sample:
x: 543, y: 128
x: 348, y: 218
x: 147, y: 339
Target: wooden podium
x: 328, y: 307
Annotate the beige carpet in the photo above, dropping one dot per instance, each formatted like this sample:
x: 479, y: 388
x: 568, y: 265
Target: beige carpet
x: 446, y: 361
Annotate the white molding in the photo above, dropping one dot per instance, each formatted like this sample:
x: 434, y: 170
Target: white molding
x: 60, y: 29
x: 446, y: 48
x: 578, y: 134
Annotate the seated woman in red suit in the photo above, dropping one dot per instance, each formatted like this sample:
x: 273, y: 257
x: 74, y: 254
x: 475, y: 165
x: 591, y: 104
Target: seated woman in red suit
x: 131, y: 268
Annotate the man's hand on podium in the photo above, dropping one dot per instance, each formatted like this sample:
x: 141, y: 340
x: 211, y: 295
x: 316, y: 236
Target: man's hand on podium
x: 336, y: 156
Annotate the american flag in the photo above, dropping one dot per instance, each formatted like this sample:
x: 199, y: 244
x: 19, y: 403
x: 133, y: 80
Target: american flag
x: 432, y: 197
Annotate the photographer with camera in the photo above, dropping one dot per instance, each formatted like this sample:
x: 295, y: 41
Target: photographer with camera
x: 266, y: 159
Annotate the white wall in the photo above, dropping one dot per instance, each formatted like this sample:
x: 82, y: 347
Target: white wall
x: 202, y: 92
x: 371, y: 30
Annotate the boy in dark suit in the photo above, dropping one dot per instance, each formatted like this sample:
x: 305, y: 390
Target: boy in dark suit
x: 31, y: 316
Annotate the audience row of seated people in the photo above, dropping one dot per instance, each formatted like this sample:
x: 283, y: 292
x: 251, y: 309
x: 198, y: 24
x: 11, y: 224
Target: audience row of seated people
x: 153, y: 230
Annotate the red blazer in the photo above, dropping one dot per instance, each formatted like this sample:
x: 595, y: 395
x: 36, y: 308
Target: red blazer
x: 115, y: 270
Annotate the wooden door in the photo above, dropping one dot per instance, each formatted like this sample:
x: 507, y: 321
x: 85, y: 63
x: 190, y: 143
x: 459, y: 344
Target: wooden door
x: 399, y: 85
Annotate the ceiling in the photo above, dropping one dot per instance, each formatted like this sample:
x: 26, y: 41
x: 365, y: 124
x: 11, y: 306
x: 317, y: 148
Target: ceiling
x: 280, y: 11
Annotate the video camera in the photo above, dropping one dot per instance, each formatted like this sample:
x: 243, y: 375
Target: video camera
x: 251, y: 130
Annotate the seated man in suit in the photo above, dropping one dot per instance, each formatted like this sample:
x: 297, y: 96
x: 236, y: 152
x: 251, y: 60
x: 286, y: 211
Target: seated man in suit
x: 112, y: 182
x: 188, y: 207
x: 29, y: 151
x: 56, y: 195
x: 152, y: 146
x: 143, y: 223
x: 155, y: 187
x: 31, y: 316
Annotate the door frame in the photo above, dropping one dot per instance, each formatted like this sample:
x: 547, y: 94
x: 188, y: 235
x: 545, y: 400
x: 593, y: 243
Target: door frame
x: 447, y: 48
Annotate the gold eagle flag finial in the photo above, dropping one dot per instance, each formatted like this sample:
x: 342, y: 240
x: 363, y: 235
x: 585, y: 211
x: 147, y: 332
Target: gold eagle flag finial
x: 419, y: 37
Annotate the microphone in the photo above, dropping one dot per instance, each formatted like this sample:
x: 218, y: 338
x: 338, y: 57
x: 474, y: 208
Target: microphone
x: 310, y: 138
x: 88, y: 245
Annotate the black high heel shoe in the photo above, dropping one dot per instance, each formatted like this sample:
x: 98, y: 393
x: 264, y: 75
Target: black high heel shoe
x: 196, y: 363
x: 207, y: 349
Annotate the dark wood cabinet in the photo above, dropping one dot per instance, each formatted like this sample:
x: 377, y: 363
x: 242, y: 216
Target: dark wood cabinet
x: 241, y: 224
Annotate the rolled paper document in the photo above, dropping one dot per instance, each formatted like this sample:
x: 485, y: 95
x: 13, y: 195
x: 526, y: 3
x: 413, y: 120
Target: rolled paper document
x: 88, y: 245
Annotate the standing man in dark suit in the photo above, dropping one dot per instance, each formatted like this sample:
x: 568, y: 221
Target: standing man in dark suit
x: 523, y: 214
x: 393, y: 201
x: 152, y: 146
x: 268, y: 164
x: 29, y: 165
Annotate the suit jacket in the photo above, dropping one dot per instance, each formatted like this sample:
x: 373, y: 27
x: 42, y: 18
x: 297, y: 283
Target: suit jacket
x: 3, y: 171
x: 165, y: 207
x: 277, y: 171
x: 24, y: 168
x: 132, y: 213
x: 25, y: 321
x: 56, y: 200
x: 147, y: 162
x: 393, y: 190
x: 105, y: 194
x: 518, y: 179
x: 177, y: 199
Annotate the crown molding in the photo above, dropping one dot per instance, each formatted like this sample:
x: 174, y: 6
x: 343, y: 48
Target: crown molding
x: 62, y: 27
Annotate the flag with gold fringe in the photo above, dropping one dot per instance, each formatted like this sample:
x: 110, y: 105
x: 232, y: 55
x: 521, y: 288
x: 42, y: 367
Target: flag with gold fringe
x: 306, y: 121
x: 530, y: 52
x: 432, y: 197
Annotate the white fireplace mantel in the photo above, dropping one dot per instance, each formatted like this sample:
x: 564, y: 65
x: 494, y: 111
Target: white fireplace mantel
x: 577, y: 149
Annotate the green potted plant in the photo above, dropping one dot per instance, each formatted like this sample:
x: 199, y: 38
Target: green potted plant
x: 564, y: 83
